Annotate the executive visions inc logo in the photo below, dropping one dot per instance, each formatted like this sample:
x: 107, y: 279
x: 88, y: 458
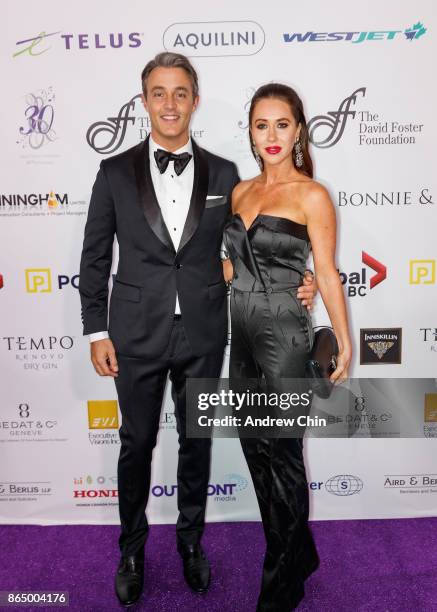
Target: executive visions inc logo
x: 381, y: 345
x: 325, y: 131
x: 103, y: 416
x: 214, y: 38
x: 106, y: 136
x: 430, y: 416
x: 37, y: 45
x: 414, y: 32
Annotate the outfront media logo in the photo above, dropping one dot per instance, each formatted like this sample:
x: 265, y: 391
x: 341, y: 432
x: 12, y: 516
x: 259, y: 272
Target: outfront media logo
x: 415, y: 32
x: 422, y: 271
x: 380, y: 345
x: 37, y: 45
x: 214, y: 38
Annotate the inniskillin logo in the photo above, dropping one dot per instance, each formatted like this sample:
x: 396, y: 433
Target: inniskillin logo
x: 214, y: 38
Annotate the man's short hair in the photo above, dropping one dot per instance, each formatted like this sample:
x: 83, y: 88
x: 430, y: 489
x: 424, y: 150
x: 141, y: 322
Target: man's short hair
x: 170, y: 60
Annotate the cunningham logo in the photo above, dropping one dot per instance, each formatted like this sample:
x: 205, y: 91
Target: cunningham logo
x: 214, y: 38
x: 344, y: 484
x: 413, y: 33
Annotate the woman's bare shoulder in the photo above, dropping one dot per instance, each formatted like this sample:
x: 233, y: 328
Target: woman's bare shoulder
x: 239, y: 190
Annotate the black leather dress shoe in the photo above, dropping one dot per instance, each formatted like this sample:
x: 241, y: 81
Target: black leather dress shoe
x: 197, y: 572
x: 129, y: 579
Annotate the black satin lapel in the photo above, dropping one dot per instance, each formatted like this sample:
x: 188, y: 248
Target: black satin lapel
x: 148, y: 199
x: 198, y: 195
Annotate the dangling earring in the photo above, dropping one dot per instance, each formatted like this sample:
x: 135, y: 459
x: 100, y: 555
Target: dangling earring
x: 298, y: 155
x: 257, y: 156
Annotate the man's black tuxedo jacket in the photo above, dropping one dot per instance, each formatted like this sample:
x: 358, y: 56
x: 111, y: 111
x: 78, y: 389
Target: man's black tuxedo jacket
x: 150, y: 271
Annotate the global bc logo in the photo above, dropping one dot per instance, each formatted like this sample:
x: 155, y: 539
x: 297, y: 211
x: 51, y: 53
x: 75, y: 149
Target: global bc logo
x: 355, y: 37
x: 214, y: 38
x: 357, y: 283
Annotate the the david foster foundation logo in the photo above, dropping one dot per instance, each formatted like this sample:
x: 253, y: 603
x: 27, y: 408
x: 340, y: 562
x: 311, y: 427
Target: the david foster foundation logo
x: 214, y: 38
x: 24, y: 490
x: 91, y: 491
x: 106, y: 136
x: 38, y: 44
x: 371, y: 129
x: 37, y: 353
x: 430, y: 416
x: 358, y: 283
x: 380, y: 345
x: 29, y: 425
x: 103, y: 416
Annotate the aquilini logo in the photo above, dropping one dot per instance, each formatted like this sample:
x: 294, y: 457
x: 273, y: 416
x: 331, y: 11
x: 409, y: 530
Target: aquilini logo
x: 38, y: 45
x: 214, y: 38
x: 422, y: 271
x: 356, y: 37
x: 380, y: 345
x: 103, y: 414
x: 356, y: 283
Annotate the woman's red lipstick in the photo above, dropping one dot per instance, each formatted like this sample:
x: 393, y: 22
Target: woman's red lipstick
x: 273, y: 150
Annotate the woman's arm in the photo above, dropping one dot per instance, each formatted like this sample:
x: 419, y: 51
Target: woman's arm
x: 321, y: 223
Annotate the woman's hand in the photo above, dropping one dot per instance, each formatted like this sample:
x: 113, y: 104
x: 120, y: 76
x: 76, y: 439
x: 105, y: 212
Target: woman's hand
x: 340, y: 374
x: 228, y: 270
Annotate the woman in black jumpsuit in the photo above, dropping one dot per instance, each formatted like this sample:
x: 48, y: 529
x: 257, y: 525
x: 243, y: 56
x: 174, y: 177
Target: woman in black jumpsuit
x: 272, y: 332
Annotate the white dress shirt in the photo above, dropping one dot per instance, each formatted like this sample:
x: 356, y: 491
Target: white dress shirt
x: 173, y: 193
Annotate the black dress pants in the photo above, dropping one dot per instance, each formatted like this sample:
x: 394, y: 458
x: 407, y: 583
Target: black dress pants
x: 140, y: 387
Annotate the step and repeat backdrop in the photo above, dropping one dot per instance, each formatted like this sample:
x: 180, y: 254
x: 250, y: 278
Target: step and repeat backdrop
x: 71, y: 97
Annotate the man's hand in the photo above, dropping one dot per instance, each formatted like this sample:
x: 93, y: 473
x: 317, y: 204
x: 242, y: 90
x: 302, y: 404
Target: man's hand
x: 228, y: 271
x: 308, y: 290
x: 103, y: 358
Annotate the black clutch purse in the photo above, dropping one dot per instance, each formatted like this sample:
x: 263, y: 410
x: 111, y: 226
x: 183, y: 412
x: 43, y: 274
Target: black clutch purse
x: 322, y: 362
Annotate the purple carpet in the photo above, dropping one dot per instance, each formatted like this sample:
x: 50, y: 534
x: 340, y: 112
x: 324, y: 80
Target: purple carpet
x: 372, y: 566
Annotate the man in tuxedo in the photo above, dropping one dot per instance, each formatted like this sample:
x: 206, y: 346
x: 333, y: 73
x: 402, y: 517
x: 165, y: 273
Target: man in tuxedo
x: 167, y: 201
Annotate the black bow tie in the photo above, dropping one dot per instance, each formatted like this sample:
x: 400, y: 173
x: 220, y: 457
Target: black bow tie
x: 163, y: 158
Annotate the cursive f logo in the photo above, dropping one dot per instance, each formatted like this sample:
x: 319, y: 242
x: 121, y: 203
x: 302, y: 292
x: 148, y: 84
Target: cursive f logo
x: 107, y: 136
x: 334, y: 121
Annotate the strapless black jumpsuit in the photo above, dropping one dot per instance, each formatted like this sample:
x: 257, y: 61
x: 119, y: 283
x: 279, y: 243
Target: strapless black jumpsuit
x: 271, y: 338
